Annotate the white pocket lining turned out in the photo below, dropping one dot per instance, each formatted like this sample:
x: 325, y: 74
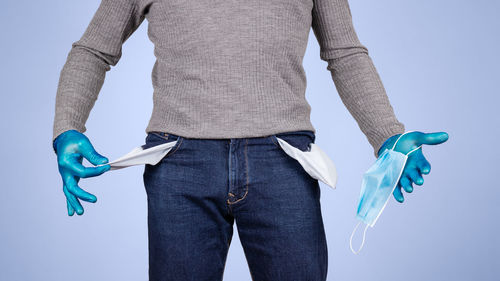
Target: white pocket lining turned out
x: 314, y: 161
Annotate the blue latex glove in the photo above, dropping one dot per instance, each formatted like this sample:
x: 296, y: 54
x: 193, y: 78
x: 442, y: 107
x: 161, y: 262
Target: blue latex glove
x: 416, y: 165
x: 70, y: 147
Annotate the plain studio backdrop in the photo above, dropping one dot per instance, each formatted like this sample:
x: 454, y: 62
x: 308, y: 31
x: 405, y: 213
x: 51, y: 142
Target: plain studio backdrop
x: 438, y: 61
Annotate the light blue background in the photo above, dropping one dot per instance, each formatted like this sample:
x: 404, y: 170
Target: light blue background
x: 438, y: 61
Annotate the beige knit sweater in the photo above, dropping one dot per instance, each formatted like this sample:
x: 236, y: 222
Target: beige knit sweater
x: 227, y: 68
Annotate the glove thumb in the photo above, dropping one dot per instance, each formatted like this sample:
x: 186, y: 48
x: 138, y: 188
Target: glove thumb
x: 93, y: 157
x: 434, y: 138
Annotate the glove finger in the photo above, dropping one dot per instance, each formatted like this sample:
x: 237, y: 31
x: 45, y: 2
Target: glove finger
x: 71, y: 211
x: 88, y: 151
x: 415, y: 176
x: 424, y: 166
x: 78, y: 192
x: 406, y: 184
x: 398, y: 195
x: 75, y: 203
x: 81, y: 171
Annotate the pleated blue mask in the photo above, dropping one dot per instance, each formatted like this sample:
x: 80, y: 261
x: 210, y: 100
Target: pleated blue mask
x: 379, y: 182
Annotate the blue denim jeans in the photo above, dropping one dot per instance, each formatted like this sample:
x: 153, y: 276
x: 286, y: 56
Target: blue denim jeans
x: 202, y: 186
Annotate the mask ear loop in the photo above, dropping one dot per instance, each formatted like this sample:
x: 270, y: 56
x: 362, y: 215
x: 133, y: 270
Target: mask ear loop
x: 362, y: 243
x: 398, y: 140
x: 413, y: 150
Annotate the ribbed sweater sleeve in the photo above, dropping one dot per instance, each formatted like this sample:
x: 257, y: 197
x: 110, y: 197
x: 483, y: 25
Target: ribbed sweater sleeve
x: 353, y: 72
x: 99, y: 48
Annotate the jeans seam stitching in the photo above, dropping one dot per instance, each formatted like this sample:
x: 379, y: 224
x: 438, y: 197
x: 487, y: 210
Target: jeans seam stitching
x: 180, y: 139
x: 159, y: 134
x: 244, y: 195
x: 246, y: 184
x: 246, y: 167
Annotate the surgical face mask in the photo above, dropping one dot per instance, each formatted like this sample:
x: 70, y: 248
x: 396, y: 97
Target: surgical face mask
x: 378, y: 183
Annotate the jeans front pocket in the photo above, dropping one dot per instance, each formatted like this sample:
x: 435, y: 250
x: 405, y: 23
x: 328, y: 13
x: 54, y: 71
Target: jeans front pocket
x: 157, y: 138
x: 299, y: 139
x: 301, y: 147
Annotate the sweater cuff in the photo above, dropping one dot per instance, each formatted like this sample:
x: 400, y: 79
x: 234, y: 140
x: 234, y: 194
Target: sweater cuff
x: 379, y: 136
x: 64, y: 126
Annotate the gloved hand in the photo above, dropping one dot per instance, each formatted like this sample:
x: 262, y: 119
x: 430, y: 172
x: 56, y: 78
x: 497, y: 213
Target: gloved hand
x: 70, y: 147
x: 416, y: 165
